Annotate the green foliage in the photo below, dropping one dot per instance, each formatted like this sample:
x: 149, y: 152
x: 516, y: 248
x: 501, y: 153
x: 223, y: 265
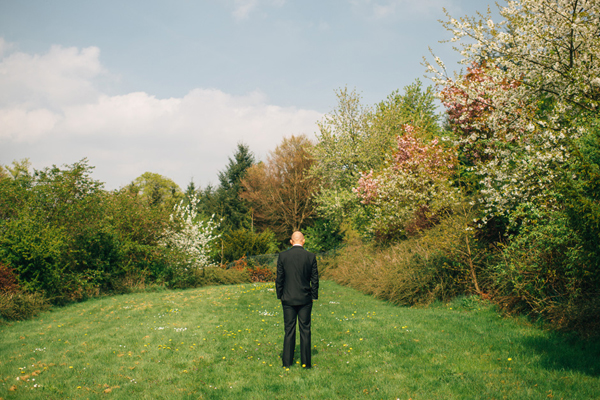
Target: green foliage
x: 16, y: 304
x: 21, y: 305
x: 354, y: 139
x: 227, y: 205
x: 322, y: 235
x: 436, y: 265
x: 416, y: 107
x: 243, y: 242
x: 137, y: 228
x: 69, y: 239
x: 156, y: 190
x: 19, y: 170
x: 580, y: 192
x: 544, y: 272
x: 36, y: 250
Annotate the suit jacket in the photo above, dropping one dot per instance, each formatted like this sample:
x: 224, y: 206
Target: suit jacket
x: 297, y: 281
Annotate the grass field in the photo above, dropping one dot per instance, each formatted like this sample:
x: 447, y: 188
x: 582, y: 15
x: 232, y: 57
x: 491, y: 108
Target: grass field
x: 225, y: 342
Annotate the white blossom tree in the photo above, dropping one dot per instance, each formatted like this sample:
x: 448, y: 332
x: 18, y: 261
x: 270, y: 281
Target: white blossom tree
x: 532, y: 82
x: 193, y: 235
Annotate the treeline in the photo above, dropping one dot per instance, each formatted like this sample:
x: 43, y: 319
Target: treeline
x: 64, y: 238
x: 497, y: 197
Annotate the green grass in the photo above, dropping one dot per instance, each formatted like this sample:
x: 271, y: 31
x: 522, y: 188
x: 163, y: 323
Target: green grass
x: 225, y: 342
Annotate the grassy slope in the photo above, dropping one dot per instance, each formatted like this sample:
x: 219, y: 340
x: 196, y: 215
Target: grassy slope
x: 224, y: 342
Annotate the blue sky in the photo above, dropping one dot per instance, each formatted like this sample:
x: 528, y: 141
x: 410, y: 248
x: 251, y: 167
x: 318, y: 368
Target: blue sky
x: 172, y: 87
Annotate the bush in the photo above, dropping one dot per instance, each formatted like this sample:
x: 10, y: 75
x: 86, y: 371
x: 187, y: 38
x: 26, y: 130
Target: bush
x: 15, y: 304
x: 67, y: 238
x: 243, y: 242
x: 545, y: 273
x: 8, y: 280
x: 442, y: 262
x: 323, y: 235
x: 209, y: 276
x: 35, y: 250
x: 580, y: 193
x: 256, y: 271
x: 414, y: 271
x: 22, y: 305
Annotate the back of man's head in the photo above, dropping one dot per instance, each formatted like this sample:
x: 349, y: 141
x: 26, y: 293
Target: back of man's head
x: 297, y: 238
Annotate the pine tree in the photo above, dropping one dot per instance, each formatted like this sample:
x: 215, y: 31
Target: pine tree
x: 230, y: 207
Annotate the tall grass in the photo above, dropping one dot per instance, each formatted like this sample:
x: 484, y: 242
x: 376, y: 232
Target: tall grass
x: 439, y: 264
x: 225, y: 342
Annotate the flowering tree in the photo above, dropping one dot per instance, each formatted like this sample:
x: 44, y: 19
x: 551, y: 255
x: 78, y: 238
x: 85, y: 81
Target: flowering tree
x: 192, y: 236
x: 531, y: 80
x: 412, y: 190
x: 355, y: 138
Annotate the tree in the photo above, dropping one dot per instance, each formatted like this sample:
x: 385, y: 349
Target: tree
x: 230, y: 208
x: 415, y: 107
x: 191, y: 190
x: 353, y: 139
x: 280, y: 191
x: 156, y: 190
x: 539, y: 82
x: 192, y: 236
x: 525, y: 113
x: 411, y: 193
x: 19, y: 169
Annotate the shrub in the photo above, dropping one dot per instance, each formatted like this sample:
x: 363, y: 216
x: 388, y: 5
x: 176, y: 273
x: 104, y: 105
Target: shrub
x: 545, y: 273
x: 243, y: 242
x: 441, y: 263
x: 220, y: 276
x: 580, y: 192
x: 322, y: 235
x: 35, y: 250
x: 209, y: 276
x: 22, y: 305
x: 8, y: 280
x: 15, y: 304
x: 67, y: 238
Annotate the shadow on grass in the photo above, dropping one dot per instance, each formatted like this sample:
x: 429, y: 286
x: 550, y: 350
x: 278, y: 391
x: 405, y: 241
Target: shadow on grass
x: 560, y: 352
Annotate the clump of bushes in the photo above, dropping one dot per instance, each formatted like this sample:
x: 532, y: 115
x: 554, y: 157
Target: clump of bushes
x: 16, y: 304
x: 256, y: 271
x: 243, y: 242
x: 439, y: 264
x: 544, y: 271
x: 210, y: 276
x: 64, y: 238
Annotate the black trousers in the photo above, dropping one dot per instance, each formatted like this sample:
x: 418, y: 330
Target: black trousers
x: 302, y: 314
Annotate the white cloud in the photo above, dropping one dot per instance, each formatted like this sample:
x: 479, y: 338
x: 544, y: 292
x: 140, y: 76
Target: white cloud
x: 60, y: 77
x: 4, y: 46
x: 51, y: 111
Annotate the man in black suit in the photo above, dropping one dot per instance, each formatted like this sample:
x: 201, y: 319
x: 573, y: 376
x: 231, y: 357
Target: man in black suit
x: 297, y: 285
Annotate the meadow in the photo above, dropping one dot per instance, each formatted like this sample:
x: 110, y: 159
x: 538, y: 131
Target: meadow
x: 224, y: 342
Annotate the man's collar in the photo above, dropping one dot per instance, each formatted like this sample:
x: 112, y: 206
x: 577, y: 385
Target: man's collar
x: 294, y: 245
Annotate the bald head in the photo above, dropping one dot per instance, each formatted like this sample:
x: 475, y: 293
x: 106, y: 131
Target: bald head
x: 297, y: 238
